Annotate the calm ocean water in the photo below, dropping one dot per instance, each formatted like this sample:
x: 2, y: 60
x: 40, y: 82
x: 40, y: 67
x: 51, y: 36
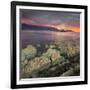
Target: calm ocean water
x: 45, y: 37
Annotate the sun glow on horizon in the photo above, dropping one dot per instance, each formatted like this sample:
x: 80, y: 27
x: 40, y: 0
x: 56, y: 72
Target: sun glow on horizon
x: 74, y: 28
x: 67, y: 27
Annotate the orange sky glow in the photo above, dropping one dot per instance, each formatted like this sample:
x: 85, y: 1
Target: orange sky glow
x: 67, y: 27
x: 74, y: 28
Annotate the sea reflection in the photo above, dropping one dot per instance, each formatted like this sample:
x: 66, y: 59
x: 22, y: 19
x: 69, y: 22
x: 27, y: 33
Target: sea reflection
x: 35, y: 37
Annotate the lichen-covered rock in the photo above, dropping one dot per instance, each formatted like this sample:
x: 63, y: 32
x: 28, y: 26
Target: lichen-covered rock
x: 52, y: 54
x: 52, y: 46
x: 42, y: 62
x: 24, y: 62
x: 68, y: 73
x: 28, y: 53
x: 38, y: 45
x: 46, y: 46
x: 22, y: 56
x: 35, y: 65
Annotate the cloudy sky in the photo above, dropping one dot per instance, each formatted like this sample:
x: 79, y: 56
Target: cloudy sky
x: 58, y: 19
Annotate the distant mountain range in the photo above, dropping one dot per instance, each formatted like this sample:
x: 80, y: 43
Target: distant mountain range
x: 42, y: 28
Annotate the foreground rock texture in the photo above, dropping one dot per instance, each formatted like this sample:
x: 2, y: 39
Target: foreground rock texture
x: 40, y: 63
x: 59, y: 59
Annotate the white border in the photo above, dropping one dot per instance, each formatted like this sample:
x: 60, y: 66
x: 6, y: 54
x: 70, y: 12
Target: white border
x: 55, y: 79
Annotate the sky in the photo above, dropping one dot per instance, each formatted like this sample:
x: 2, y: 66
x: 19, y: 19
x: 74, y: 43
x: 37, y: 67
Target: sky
x: 56, y: 19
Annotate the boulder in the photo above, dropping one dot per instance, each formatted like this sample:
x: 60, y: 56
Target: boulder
x: 28, y: 53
